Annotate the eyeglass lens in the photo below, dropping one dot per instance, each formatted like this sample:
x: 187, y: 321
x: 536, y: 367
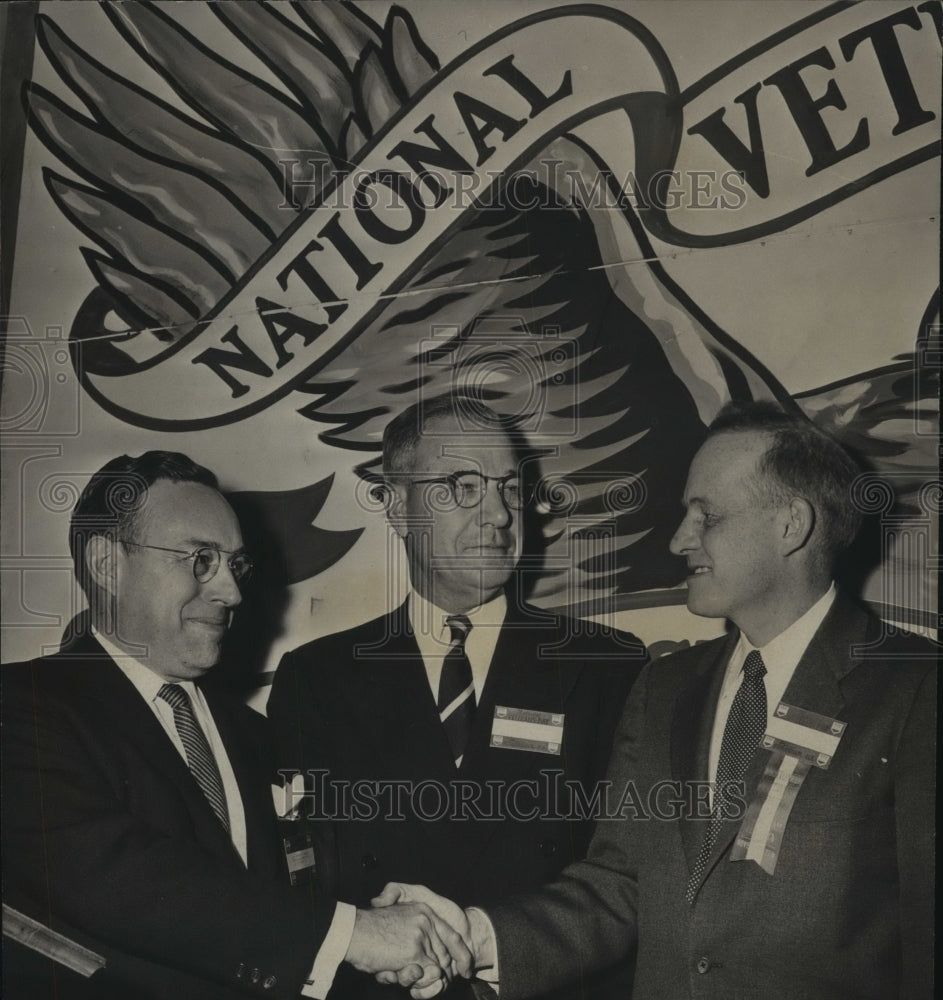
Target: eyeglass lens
x: 470, y: 490
x: 206, y: 565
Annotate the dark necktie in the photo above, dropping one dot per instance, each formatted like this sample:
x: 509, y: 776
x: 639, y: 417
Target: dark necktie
x: 746, y: 724
x: 457, y: 689
x: 200, y: 758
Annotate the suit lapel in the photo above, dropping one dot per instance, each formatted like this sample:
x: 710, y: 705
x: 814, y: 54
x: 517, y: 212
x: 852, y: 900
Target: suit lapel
x: 404, y: 724
x: 404, y: 730
x: 128, y: 714
x: 816, y: 683
x: 124, y: 711
x: 692, y: 727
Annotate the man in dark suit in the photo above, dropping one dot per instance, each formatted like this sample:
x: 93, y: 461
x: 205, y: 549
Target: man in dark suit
x: 808, y: 872
x: 460, y: 738
x: 137, y: 805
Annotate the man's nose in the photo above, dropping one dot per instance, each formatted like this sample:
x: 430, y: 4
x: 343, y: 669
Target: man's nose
x: 685, y: 538
x: 222, y: 588
x: 493, y: 509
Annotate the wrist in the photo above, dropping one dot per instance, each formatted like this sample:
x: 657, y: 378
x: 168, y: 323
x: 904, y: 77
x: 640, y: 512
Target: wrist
x: 356, y: 938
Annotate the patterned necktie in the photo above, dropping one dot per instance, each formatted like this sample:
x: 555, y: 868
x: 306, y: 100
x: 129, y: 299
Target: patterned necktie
x: 746, y: 724
x: 457, y: 689
x: 200, y: 758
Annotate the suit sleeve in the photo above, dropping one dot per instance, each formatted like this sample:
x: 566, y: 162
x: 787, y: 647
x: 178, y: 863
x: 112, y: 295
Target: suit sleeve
x: 586, y: 919
x: 86, y: 856
x: 620, y: 678
x: 915, y: 817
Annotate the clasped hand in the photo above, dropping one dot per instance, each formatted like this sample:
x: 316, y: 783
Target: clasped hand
x: 414, y: 938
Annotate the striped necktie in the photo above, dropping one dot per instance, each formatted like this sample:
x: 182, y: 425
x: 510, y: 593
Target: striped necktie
x: 457, y: 689
x: 200, y: 757
x: 746, y: 724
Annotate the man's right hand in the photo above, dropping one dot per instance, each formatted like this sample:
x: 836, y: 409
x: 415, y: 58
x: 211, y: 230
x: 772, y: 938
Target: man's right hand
x: 410, y: 943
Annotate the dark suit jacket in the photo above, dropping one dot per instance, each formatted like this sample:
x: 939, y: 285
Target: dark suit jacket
x: 358, y: 705
x: 849, y: 911
x: 107, y: 836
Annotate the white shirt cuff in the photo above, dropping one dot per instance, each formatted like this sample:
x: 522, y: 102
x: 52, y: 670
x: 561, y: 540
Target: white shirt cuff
x: 483, y: 934
x: 331, y: 953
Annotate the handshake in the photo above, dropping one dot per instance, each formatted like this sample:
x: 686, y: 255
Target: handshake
x: 419, y: 940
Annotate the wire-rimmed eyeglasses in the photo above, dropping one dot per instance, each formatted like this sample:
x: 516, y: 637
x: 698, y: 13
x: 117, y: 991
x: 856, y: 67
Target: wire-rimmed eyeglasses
x: 206, y: 560
x: 468, y: 488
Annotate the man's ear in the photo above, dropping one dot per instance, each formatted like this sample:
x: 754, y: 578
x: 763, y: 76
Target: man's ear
x: 798, y: 523
x: 395, y: 500
x: 101, y: 561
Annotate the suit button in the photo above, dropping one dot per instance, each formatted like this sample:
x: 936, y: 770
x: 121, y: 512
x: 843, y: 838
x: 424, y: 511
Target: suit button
x: 270, y: 981
x: 548, y: 848
x: 368, y: 862
x: 255, y: 976
x: 703, y: 965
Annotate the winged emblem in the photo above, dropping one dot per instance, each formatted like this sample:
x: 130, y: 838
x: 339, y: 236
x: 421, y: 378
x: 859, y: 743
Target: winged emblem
x: 554, y: 309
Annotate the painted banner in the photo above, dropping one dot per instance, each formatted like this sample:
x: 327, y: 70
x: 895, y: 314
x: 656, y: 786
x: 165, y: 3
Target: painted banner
x: 256, y: 232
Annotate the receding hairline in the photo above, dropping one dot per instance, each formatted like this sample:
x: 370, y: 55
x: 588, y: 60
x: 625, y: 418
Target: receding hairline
x: 408, y: 429
x: 144, y: 515
x: 763, y: 484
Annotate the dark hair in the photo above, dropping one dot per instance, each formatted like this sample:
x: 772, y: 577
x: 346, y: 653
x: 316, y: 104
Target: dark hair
x: 802, y: 460
x: 112, y: 500
x: 401, y: 435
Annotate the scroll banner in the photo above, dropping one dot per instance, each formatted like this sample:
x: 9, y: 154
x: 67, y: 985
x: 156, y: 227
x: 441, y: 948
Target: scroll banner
x: 489, y: 113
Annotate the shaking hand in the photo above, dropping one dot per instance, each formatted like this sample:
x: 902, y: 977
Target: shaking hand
x: 475, y: 936
x: 409, y: 944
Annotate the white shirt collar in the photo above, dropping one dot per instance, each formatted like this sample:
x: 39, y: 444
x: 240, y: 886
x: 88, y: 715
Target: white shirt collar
x: 783, y: 653
x: 434, y: 637
x: 428, y: 621
x: 145, y: 680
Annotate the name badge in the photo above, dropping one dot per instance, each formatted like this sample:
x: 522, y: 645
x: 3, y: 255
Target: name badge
x: 299, y: 854
x: 527, y: 729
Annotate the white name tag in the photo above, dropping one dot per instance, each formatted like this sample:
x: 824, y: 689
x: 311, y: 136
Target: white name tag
x: 526, y: 729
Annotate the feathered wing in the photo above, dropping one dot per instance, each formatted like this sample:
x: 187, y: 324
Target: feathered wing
x: 181, y: 204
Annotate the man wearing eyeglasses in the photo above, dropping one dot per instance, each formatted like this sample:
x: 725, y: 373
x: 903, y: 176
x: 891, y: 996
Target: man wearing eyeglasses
x: 461, y: 737
x: 138, y: 812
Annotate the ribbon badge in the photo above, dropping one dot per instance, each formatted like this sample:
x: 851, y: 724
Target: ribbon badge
x: 799, y: 740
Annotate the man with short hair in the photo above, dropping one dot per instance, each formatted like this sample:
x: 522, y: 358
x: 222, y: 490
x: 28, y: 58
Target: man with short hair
x: 807, y: 871
x: 138, y: 812
x: 468, y: 731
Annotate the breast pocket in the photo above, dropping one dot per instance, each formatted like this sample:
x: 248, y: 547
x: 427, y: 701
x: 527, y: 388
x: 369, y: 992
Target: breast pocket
x: 849, y: 790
